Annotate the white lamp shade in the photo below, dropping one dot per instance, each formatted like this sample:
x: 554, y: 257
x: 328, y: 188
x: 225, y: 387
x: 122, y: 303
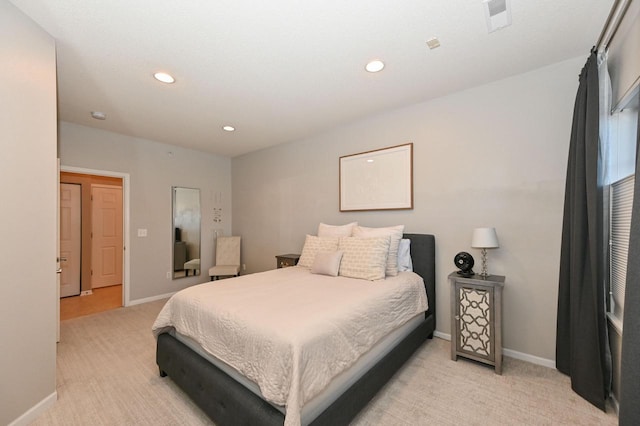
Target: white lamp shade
x: 484, y: 238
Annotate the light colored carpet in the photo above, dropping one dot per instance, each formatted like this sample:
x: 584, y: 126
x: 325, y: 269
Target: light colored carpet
x: 107, y: 376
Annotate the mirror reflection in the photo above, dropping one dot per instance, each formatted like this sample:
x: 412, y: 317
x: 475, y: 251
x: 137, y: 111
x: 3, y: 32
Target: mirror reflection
x: 186, y: 231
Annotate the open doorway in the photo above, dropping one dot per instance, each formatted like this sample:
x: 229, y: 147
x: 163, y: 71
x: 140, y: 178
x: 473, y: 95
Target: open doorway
x: 94, y: 278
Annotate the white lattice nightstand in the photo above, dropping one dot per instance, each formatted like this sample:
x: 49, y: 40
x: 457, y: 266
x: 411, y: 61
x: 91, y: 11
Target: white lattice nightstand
x: 476, y: 318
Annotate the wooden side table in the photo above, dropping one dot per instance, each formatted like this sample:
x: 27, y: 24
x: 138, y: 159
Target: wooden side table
x: 285, y: 260
x: 476, y: 318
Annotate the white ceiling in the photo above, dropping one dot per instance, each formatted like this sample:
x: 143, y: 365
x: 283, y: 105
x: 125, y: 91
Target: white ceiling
x: 283, y: 70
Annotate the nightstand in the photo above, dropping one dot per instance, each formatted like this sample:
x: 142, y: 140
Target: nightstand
x: 285, y: 260
x: 476, y: 318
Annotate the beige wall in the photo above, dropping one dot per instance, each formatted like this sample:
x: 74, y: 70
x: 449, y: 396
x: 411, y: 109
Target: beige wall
x: 153, y: 168
x: 494, y: 155
x: 28, y: 225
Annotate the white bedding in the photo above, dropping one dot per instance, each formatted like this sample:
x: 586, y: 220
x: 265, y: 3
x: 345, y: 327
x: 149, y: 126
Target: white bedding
x: 290, y: 331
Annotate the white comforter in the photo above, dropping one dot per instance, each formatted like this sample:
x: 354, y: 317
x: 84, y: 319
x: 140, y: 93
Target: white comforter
x: 291, y: 331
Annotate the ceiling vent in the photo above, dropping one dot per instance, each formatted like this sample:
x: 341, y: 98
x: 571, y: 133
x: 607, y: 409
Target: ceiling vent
x: 497, y: 14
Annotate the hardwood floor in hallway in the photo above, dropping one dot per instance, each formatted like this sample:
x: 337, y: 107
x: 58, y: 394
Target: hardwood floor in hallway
x: 102, y: 299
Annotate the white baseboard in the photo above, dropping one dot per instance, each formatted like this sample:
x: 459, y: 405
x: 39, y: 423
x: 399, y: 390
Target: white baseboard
x: 530, y: 358
x: 86, y: 293
x: 442, y: 335
x: 34, y: 412
x: 512, y: 354
x: 151, y: 299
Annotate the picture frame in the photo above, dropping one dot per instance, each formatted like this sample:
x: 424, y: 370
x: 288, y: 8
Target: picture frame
x: 380, y: 179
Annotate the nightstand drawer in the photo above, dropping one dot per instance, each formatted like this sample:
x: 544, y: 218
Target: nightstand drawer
x: 286, y: 260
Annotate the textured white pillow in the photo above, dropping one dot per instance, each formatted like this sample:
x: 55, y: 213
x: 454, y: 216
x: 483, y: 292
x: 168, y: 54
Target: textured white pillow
x: 338, y: 231
x: 364, y: 258
x: 312, y: 245
x: 327, y: 263
x: 404, y: 256
x: 395, y: 233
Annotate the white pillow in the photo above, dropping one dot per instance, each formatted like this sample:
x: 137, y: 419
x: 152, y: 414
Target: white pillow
x: 404, y: 256
x: 395, y: 233
x: 327, y: 263
x: 338, y: 231
x: 312, y: 245
x: 364, y: 258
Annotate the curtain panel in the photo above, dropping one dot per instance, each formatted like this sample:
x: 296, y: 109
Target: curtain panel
x: 582, y: 344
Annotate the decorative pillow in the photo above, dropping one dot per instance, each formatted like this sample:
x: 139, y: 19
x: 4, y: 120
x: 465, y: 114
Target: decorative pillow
x: 364, y: 258
x: 404, y: 256
x: 338, y: 231
x: 327, y: 263
x: 312, y: 245
x: 395, y: 233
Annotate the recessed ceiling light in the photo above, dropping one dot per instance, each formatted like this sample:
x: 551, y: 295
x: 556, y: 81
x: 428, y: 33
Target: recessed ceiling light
x: 164, y: 77
x: 374, y: 66
x: 98, y: 115
x: 228, y: 128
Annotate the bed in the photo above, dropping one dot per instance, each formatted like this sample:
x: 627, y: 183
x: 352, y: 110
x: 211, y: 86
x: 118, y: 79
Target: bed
x: 229, y: 399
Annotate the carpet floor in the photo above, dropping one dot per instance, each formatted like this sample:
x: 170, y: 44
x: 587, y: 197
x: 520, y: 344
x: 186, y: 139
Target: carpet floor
x: 106, y: 375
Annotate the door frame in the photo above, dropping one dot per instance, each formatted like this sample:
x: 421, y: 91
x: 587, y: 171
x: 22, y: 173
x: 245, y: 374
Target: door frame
x: 126, y: 267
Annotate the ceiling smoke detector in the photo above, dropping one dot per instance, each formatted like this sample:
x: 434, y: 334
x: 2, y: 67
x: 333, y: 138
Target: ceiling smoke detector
x: 497, y: 13
x: 433, y: 42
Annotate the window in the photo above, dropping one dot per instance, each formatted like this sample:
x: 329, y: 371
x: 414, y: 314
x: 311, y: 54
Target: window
x: 621, y: 157
x: 621, y: 196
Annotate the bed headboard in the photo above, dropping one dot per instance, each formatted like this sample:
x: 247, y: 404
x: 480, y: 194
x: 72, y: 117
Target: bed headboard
x: 423, y: 256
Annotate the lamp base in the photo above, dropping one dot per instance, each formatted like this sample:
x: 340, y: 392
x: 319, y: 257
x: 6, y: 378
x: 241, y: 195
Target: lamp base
x: 484, y: 273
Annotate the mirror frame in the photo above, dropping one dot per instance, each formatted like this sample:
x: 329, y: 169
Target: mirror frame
x: 190, y: 248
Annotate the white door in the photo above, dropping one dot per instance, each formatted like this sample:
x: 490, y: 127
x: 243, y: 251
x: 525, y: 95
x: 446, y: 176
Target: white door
x: 106, y: 242
x: 70, y: 239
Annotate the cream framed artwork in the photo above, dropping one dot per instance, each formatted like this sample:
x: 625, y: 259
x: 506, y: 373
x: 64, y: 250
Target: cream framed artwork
x: 381, y: 179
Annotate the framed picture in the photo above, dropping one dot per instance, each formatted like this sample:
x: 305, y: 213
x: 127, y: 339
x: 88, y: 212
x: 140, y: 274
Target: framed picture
x: 377, y: 180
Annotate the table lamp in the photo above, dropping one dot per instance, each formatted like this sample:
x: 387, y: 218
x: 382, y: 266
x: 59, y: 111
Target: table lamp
x: 484, y: 238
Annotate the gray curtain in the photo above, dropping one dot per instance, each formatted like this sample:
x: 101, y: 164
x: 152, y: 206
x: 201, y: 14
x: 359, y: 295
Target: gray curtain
x: 582, y: 344
x: 630, y: 370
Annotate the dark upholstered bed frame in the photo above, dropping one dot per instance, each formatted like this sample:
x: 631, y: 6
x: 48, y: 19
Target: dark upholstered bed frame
x: 228, y: 402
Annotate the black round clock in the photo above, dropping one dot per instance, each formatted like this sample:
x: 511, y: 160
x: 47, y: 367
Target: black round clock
x: 464, y: 262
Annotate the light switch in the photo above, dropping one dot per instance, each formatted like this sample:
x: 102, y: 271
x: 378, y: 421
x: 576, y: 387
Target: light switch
x: 142, y: 232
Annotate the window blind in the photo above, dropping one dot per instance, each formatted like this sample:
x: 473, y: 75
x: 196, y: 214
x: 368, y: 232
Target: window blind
x: 621, y: 207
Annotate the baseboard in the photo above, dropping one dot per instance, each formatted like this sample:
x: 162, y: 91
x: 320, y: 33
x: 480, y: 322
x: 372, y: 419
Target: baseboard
x: 511, y: 353
x: 529, y: 358
x: 151, y: 299
x: 442, y: 335
x: 86, y: 293
x: 34, y: 412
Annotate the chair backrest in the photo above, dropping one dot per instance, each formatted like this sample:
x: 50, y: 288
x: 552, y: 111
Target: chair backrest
x: 228, y: 251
